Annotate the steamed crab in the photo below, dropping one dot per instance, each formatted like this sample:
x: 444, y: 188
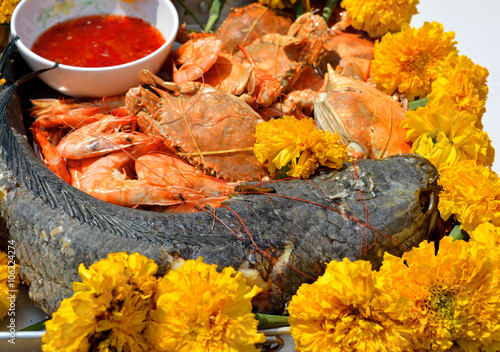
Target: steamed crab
x: 245, y: 24
x: 350, y: 54
x: 367, y: 120
x: 285, y: 57
x: 262, y: 70
x: 218, y: 140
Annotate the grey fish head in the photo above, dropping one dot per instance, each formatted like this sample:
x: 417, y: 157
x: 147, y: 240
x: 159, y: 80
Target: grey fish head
x: 373, y: 207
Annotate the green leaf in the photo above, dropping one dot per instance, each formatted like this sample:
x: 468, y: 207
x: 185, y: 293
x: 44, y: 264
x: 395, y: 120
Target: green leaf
x: 267, y: 321
x: 458, y: 234
x: 36, y: 327
x: 414, y: 105
x: 299, y: 8
x: 214, y: 14
x: 328, y: 9
x: 282, y: 172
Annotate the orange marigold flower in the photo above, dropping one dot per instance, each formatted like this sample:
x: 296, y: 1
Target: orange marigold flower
x: 461, y: 86
x: 109, y: 309
x: 408, y: 61
x: 200, y: 309
x: 348, y: 309
x: 379, y: 17
x: 471, y: 192
x: 454, y: 294
x: 487, y: 235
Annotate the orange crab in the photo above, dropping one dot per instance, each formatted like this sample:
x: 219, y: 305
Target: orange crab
x: 211, y: 129
x: 282, y: 58
x: 245, y: 24
x: 202, y: 60
x: 367, y: 119
x: 350, y: 54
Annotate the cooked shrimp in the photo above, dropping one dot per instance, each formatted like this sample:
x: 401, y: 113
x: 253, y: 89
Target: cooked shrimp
x: 51, y: 113
x: 196, y: 57
x: 73, y: 118
x: 97, y: 138
x: 106, y: 180
x: 102, y: 137
x: 51, y: 156
x: 62, y: 106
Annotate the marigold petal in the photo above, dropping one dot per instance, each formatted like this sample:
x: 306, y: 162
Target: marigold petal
x: 378, y: 17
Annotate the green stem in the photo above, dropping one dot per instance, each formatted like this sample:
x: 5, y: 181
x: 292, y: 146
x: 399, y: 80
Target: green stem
x: 36, y: 327
x: 414, y: 105
x: 214, y: 14
x: 267, y: 321
x: 328, y: 9
x: 190, y: 13
x: 458, y: 234
x: 299, y: 8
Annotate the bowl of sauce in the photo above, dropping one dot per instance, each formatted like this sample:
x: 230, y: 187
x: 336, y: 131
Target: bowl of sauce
x: 101, y: 45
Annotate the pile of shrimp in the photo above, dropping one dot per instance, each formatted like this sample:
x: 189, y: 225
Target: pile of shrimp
x: 104, y: 155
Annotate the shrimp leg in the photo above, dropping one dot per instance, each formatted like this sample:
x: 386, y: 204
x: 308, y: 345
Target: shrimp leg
x: 51, y: 156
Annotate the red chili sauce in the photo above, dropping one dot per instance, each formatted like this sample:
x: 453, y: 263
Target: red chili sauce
x: 98, y: 41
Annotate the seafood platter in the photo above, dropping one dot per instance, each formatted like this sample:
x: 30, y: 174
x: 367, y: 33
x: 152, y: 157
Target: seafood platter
x: 175, y: 168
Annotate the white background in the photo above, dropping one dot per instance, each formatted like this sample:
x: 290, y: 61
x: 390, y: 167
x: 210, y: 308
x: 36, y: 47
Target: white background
x: 477, y: 32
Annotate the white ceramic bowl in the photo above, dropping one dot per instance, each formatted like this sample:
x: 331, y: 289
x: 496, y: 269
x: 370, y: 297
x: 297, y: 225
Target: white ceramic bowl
x: 32, y: 17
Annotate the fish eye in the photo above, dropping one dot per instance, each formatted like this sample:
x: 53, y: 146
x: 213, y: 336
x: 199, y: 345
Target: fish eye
x: 425, y: 201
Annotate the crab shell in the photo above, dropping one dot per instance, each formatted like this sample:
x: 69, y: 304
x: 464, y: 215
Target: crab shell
x: 285, y: 57
x: 366, y: 119
x: 245, y: 24
x: 212, y: 130
x: 348, y: 53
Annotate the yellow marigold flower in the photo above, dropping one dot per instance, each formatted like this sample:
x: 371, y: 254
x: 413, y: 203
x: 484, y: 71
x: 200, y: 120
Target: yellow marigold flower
x: 200, y: 309
x: 298, y: 144
x: 348, y: 309
x: 487, y: 235
x: 446, y: 136
x: 9, y: 279
x: 408, y: 61
x: 379, y: 17
x: 455, y: 295
x: 6, y: 9
x: 471, y: 192
x: 108, y: 310
x: 461, y: 86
